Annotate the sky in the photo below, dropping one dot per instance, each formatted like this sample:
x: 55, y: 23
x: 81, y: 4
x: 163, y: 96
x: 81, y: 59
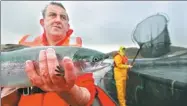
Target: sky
x: 103, y: 25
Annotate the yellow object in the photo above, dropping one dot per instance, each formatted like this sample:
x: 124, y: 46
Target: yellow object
x: 120, y: 75
x: 122, y: 51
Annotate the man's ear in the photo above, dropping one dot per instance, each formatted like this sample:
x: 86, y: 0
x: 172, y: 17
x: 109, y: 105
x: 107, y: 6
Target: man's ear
x: 42, y: 22
x: 68, y: 26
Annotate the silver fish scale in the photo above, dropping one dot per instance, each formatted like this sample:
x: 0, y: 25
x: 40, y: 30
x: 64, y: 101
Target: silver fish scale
x: 10, y: 73
x: 8, y: 68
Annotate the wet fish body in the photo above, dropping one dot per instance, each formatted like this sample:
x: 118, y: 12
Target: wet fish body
x: 12, y: 72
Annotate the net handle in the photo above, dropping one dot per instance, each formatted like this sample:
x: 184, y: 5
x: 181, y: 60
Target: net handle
x: 141, y: 45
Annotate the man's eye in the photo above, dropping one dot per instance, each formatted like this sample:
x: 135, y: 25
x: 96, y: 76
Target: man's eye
x: 52, y: 15
x: 64, y: 17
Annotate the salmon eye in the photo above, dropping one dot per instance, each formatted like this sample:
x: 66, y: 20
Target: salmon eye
x: 96, y: 58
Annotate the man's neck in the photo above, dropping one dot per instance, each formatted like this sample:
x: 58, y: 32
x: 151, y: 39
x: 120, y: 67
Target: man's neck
x: 52, y: 43
x: 54, y: 40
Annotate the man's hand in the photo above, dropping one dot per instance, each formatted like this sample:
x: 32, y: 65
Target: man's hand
x: 44, y: 76
x: 130, y: 66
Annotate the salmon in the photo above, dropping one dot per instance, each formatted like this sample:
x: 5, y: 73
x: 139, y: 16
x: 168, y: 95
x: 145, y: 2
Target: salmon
x: 13, y: 58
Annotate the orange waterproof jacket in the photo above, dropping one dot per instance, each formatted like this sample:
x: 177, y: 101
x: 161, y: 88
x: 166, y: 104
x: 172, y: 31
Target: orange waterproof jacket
x: 52, y: 99
x: 42, y: 40
x: 122, y: 59
x: 120, y: 67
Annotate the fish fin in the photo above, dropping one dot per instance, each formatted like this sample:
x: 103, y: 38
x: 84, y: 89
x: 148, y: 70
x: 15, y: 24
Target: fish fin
x: 7, y: 91
x: 11, y: 47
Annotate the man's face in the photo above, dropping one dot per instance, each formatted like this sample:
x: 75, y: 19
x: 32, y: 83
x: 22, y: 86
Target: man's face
x: 56, y: 21
x: 123, y: 51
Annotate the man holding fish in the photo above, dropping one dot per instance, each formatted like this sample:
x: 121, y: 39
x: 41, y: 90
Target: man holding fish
x: 68, y: 89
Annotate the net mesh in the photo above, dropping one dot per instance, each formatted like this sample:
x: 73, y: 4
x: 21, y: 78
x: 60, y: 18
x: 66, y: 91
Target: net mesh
x: 152, y: 34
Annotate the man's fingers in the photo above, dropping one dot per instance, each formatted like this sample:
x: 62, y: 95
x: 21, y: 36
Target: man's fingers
x: 69, y: 69
x: 44, y: 68
x: 32, y: 74
x: 51, y: 60
x: 52, y: 65
x: 36, y: 67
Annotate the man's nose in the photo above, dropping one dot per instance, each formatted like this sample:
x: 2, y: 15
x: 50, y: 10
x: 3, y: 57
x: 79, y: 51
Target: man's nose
x: 58, y: 19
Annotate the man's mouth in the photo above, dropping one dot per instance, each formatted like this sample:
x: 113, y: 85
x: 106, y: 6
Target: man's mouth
x: 58, y: 27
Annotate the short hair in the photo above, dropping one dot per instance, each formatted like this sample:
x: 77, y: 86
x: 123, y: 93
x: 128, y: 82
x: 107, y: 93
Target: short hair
x: 53, y: 3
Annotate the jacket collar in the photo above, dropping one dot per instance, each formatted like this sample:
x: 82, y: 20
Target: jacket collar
x: 45, y: 42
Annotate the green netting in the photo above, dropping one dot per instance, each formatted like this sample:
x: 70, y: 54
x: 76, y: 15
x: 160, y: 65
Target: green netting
x: 152, y: 34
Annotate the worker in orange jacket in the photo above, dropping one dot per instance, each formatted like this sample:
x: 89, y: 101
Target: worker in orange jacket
x: 60, y: 91
x: 120, y: 74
